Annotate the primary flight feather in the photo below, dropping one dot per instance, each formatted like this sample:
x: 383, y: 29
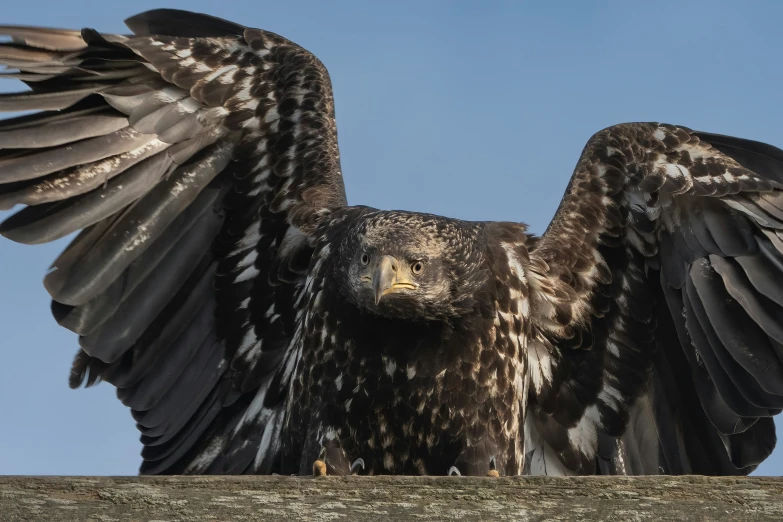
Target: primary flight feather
x: 254, y: 322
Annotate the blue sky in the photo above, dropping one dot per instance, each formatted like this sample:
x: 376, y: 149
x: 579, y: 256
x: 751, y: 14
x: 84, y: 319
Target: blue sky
x: 474, y: 110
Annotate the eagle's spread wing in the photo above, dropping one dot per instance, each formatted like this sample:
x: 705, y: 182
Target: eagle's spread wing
x: 196, y: 157
x: 663, y: 267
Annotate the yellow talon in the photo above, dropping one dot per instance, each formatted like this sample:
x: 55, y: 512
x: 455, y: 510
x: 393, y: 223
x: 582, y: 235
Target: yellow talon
x: 493, y: 468
x: 319, y: 468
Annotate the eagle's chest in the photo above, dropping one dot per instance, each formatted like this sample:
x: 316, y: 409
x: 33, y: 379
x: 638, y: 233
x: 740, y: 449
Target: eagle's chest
x: 407, y: 400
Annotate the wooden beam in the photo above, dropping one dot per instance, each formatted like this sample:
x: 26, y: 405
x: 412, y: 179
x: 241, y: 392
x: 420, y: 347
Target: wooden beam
x: 196, y: 499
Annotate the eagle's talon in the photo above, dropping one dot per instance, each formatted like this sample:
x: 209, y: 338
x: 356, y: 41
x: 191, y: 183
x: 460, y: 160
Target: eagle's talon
x: 319, y: 466
x: 493, y: 471
x: 454, y: 472
x: 355, y: 466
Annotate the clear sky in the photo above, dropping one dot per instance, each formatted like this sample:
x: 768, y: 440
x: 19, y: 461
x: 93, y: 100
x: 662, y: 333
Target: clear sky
x: 474, y: 110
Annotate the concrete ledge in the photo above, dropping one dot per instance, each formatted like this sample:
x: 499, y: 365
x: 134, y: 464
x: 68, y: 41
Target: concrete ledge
x: 194, y: 499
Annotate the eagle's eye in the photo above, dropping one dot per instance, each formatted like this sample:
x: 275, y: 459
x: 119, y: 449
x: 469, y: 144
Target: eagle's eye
x: 365, y: 259
x: 417, y: 267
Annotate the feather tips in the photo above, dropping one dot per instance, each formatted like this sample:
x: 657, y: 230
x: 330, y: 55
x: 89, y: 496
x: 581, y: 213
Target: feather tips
x: 140, y: 156
x: 714, y: 215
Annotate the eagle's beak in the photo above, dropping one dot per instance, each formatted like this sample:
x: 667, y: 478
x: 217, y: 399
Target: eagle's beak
x: 389, y: 277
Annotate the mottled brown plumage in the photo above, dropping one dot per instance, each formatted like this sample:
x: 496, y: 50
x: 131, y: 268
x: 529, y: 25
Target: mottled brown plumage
x: 253, y: 322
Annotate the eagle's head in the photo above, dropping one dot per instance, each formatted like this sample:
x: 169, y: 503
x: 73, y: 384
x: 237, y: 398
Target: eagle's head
x: 412, y: 266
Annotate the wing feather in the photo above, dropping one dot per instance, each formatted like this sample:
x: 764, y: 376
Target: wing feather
x: 196, y: 157
x: 686, y: 328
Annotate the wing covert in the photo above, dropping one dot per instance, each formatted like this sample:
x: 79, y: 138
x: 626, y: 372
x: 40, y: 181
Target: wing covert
x: 661, y: 270
x: 195, y: 158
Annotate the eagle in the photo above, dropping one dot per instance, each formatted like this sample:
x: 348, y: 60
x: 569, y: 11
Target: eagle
x: 254, y: 322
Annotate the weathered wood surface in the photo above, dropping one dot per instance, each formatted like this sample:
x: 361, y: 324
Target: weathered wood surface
x: 194, y: 499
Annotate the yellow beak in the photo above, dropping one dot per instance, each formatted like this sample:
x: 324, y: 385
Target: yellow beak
x: 389, y: 277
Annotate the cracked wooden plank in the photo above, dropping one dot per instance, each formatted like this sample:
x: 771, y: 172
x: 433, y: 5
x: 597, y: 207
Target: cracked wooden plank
x: 196, y: 499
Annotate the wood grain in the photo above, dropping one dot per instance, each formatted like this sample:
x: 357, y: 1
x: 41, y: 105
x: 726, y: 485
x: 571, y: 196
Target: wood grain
x: 195, y: 499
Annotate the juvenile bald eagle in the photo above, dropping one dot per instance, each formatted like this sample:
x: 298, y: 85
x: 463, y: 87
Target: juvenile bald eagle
x: 254, y: 322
